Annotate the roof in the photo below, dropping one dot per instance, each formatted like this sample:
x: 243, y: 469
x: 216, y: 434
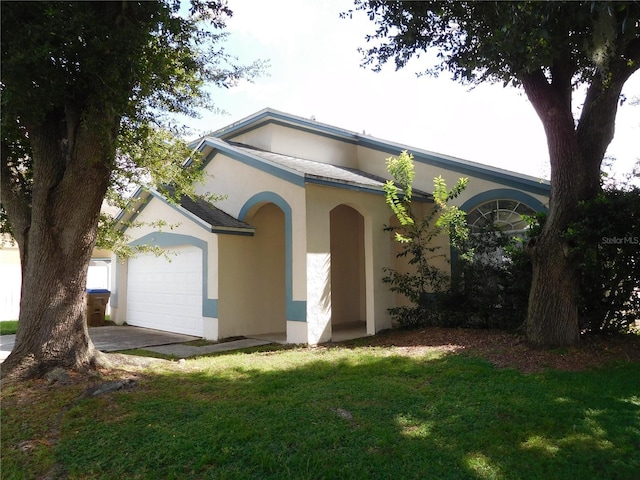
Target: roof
x: 323, y: 173
x: 298, y: 171
x: 220, y: 222
x: 197, y: 210
x: 464, y: 167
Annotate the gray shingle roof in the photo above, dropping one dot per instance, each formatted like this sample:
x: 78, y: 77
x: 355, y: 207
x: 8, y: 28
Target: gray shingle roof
x: 321, y: 172
x: 221, y: 222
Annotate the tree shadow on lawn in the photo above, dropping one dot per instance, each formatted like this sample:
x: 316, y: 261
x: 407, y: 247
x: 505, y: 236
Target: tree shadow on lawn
x: 339, y: 415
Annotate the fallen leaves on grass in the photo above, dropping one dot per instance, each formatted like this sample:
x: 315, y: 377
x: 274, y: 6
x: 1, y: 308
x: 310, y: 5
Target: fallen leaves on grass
x: 509, y: 350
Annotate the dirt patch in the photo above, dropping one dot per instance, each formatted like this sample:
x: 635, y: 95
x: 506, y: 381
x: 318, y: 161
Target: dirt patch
x: 508, y: 350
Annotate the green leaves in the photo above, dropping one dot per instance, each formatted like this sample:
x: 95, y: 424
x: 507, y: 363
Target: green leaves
x: 119, y: 71
x: 398, y: 197
x: 500, y: 41
x: 418, y: 234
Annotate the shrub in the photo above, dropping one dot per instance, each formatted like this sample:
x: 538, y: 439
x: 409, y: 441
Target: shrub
x: 607, y: 243
x: 416, y: 235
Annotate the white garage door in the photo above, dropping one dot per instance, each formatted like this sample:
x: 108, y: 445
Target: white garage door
x: 166, y: 295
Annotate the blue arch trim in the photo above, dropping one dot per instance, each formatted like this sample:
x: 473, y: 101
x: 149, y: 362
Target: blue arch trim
x: 296, y: 309
x: 489, y: 195
x: 164, y: 240
x: 504, y: 194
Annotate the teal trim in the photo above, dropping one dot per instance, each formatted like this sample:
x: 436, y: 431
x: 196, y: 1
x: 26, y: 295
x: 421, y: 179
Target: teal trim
x: 484, y: 172
x: 164, y: 240
x: 296, y: 310
x: 497, y: 194
x: 181, y: 211
x: 143, y: 203
x: 267, y: 116
x: 504, y: 194
x: 185, y: 213
x: 283, y: 119
x: 276, y: 170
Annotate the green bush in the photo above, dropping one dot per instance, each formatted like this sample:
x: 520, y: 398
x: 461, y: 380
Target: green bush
x: 423, y: 285
x: 492, y: 292
x: 491, y: 277
x: 607, y: 244
x: 491, y: 282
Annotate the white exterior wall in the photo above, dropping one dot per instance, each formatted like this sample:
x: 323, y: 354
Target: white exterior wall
x: 10, y: 282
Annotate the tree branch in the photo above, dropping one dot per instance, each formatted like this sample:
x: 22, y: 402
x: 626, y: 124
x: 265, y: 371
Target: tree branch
x: 15, y: 198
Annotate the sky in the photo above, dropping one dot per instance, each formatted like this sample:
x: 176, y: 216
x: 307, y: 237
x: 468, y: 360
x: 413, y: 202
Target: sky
x: 315, y: 72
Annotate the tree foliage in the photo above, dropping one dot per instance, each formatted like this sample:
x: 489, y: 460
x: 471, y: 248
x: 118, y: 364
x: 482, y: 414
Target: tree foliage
x: 607, y: 238
x: 505, y: 41
x: 89, y: 91
x: 124, y: 67
x: 417, y: 235
x: 549, y: 49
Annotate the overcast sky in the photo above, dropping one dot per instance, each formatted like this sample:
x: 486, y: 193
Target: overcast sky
x: 315, y: 71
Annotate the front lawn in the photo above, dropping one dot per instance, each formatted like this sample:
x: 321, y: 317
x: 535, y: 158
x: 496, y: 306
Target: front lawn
x: 350, y: 412
x: 8, y: 327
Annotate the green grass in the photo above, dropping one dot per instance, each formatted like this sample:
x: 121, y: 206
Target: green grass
x: 8, y: 327
x: 340, y: 413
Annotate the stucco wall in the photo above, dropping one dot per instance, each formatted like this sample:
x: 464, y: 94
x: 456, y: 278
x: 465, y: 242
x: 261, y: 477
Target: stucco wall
x: 348, y: 288
x: 252, y: 277
x: 177, y: 224
x: 302, y: 144
x: 377, y: 254
x: 246, y: 190
x: 374, y: 161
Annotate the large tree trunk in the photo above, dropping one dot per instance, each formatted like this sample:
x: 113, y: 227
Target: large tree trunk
x: 56, y: 236
x: 576, y: 155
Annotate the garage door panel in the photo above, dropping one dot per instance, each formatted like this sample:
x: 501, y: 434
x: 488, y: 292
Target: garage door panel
x: 166, y: 295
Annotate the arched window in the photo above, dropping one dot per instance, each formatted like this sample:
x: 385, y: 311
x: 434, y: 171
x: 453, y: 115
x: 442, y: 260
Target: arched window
x: 506, y: 214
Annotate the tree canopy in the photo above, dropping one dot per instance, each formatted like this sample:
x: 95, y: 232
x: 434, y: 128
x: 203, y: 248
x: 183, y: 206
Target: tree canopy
x: 549, y: 49
x: 89, y: 90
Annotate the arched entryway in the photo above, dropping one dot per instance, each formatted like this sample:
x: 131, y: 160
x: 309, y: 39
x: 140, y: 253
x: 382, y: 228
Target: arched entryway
x: 253, y: 287
x: 348, y: 275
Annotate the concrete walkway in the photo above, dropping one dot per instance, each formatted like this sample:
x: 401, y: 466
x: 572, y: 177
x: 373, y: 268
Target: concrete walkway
x: 117, y: 338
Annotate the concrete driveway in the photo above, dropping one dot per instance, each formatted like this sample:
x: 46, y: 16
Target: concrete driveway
x: 115, y: 338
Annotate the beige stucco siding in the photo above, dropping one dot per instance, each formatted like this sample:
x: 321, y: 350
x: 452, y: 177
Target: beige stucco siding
x: 301, y: 144
x: 377, y: 254
x: 176, y: 224
x: 246, y: 190
x: 252, y: 283
x: 374, y: 162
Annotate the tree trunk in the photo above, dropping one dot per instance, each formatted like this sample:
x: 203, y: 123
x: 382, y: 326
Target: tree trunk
x: 575, y: 155
x: 552, y: 317
x: 71, y: 164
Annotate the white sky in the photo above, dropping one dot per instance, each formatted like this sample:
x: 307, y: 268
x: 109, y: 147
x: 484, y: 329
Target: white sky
x: 315, y: 71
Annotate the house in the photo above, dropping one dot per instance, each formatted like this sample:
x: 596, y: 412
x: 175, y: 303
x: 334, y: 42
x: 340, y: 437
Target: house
x: 98, y: 276
x: 296, y: 250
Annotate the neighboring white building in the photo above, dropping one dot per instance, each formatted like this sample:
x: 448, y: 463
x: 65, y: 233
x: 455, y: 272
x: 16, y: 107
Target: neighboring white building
x: 98, y: 276
x: 297, y: 247
x: 10, y: 279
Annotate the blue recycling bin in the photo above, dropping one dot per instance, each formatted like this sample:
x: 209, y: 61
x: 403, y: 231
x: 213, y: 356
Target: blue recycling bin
x: 97, y: 299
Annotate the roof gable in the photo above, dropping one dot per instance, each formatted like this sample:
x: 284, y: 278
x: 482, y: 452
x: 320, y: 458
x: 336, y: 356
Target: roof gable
x: 461, y: 166
x: 198, y: 211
